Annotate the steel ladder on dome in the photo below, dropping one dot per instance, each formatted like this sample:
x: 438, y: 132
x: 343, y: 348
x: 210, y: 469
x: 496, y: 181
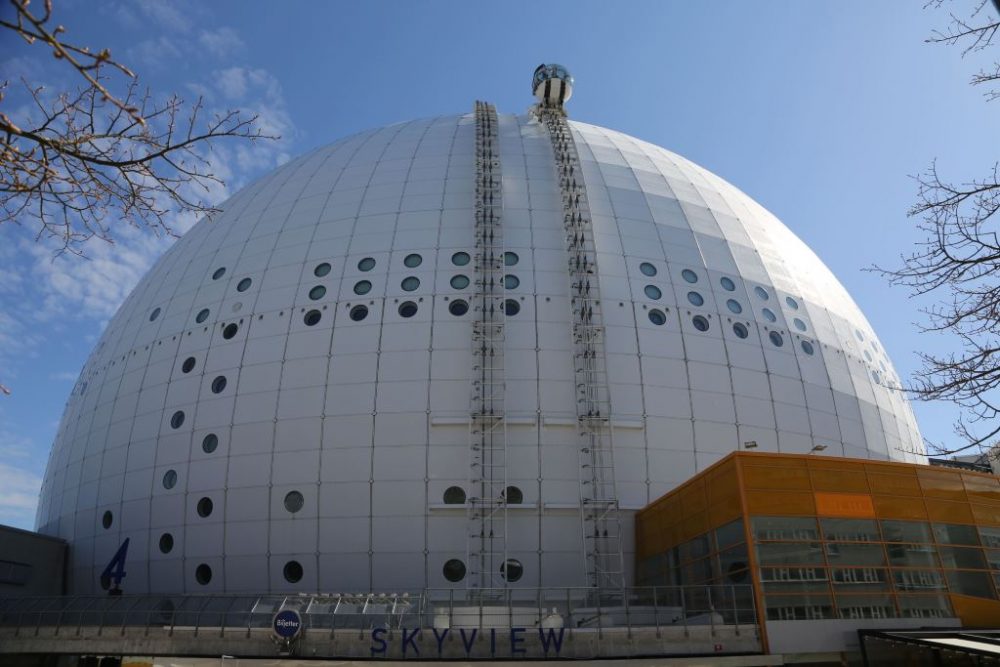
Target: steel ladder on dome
x: 599, y: 505
x: 487, y: 504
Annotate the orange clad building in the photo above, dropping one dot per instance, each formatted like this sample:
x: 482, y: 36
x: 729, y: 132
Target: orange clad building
x: 823, y: 538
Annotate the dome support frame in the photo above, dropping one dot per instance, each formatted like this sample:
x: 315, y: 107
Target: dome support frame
x: 487, y: 504
x: 600, y: 516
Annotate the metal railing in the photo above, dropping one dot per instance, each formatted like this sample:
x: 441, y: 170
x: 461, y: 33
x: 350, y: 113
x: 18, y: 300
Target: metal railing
x: 708, y: 607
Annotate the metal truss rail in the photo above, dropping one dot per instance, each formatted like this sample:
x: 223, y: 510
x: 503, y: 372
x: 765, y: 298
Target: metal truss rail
x: 492, y: 624
x: 487, y: 503
x: 599, y: 506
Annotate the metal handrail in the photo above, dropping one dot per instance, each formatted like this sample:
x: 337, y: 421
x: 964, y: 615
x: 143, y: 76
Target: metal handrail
x: 653, y: 607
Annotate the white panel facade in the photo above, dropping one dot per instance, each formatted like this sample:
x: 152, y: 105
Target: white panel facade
x: 282, y: 403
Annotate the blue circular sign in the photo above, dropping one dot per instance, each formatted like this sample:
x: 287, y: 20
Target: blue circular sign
x: 287, y: 624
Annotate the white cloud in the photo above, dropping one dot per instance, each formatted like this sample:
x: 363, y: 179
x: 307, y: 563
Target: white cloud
x: 13, y: 446
x: 18, y: 342
x: 97, y: 283
x: 18, y: 495
x: 64, y: 376
x: 221, y: 42
x: 155, y: 53
x: 169, y: 15
x: 13, y: 69
x: 233, y: 82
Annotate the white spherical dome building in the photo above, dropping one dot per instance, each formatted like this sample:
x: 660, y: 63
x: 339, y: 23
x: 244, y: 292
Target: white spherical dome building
x: 315, y: 392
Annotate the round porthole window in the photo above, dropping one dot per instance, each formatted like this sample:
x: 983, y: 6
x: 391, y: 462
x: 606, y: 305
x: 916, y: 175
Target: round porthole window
x: 362, y: 287
x: 792, y: 303
x: 454, y: 495
x: 219, y: 384
x: 177, y: 419
x: 868, y: 356
x: 317, y: 293
x: 727, y: 284
x: 413, y: 261
x: 769, y: 315
x: 511, y: 570
x: 700, y: 323
x: 514, y: 495
x: 166, y: 543
x: 860, y: 335
x: 459, y: 282
x: 458, y: 307
x: 875, y: 377
x: 410, y: 283
x: 695, y: 299
x: 209, y: 443
x: 511, y: 281
x: 740, y: 330
x: 312, y: 318
x: 366, y: 264
x: 407, y: 309
x: 219, y: 272
x: 170, y: 479
x: 761, y: 293
x: 647, y: 269
x: 453, y: 570
x: 734, y: 306
x: 322, y: 269
x: 776, y: 339
x: 243, y: 285
x: 202, y: 315
x: 292, y: 571
x: 359, y: 313
x: 294, y: 501
x: 107, y: 519
x: 188, y: 365
x: 511, y: 307
x: 204, y: 507
x: 689, y: 276
x: 153, y: 315
x: 652, y: 292
x: 799, y: 324
x: 460, y: 258
x: 807, y: 347
x: 203, y: 574
x: 510, y: 258
x: 230, y: 330
x: 657, y: 317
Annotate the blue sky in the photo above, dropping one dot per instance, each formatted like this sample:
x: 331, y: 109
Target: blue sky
x: 820, y: 111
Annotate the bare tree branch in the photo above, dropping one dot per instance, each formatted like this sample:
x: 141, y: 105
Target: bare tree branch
x: 96, y: 159
x: 959, y: 259
x: 975, y: 33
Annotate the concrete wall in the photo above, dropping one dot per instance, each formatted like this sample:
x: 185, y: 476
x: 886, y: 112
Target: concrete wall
x: 838, y: 634
x: 31, y: 564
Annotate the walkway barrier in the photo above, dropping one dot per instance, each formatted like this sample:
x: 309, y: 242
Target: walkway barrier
x: 500, y: 623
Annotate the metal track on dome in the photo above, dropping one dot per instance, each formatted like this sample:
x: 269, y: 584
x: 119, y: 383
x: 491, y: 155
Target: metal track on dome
x: 487, y: 503
x: 599, y: 506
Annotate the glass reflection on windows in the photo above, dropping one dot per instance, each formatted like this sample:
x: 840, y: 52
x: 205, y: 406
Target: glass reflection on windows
x: 784, y: 528
x: 917, y: 580
x: 949, y: 533
x: 911, y: 555
x: 854, y: 553
x: 790, y: 553
x: 849, y: 530
x: 905, y: 531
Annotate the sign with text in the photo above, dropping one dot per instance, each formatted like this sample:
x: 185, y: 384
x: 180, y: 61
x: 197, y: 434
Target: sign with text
x: 286, y: 624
